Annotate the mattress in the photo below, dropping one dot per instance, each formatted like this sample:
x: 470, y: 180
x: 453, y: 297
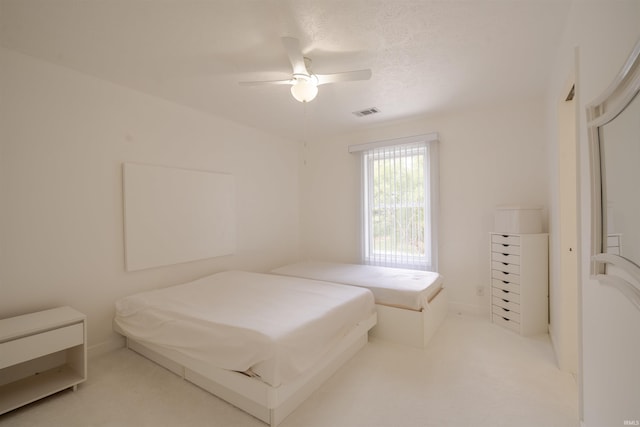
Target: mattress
x: 269, y: 326
x: 396, y: 287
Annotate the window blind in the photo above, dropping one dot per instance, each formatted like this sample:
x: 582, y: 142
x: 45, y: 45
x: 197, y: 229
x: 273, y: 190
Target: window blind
x: 398, y: 205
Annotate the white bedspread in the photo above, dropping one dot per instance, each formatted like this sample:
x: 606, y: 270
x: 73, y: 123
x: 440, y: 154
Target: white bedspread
x: 275, y: 326
x: 396, y: 287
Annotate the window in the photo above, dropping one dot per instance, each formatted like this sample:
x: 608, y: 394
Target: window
x: 399, y: 202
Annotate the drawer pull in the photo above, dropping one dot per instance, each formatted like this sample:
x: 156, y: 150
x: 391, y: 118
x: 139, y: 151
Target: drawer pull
x: 505, y: 245
x: 505, y: 282
x: 505, y: 300
x: 505, y: 235
x: 505, y: 254
x: 505, y: 263
x: 505, y: 291
x: 505, y: 318
x: 506, y: 309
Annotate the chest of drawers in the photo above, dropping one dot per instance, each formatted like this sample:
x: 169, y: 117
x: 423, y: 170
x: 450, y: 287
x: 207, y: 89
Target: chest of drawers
x: 519, y: 294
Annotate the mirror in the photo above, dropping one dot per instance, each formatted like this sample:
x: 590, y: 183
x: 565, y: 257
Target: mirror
x: 620, y: 166
x: 614, y: 146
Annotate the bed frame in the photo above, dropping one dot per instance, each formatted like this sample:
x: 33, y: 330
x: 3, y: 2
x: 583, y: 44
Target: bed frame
x: 263, y: 401
x: 411, y: 327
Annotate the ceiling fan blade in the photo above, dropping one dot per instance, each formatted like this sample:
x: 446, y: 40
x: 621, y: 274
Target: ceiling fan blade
x: 344, y: 77
x: 292, y: 46
x: 268, y: 82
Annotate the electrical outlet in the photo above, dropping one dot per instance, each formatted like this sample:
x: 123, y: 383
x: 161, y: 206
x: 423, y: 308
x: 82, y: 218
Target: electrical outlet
x: 480, y: 291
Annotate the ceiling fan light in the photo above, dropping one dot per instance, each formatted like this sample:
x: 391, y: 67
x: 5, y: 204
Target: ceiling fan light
x: 304, y: 90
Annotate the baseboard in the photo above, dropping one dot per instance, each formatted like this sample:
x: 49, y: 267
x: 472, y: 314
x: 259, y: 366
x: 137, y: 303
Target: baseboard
x: 105, y: 347
x: 460, y: 307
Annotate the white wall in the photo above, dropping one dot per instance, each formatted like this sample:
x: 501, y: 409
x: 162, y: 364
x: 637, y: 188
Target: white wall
x: 64, y: 137
x: 489, y: 156
x: 604, y: 33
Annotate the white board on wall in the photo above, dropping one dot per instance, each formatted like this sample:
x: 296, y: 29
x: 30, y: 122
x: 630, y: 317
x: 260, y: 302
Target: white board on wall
x: 176, y: 215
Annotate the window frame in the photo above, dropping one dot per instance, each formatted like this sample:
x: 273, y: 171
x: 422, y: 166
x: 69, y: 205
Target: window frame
x: 430, y: 260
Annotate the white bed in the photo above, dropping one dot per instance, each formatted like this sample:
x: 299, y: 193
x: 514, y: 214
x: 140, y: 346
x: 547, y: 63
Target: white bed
x: 411, y: 304
x: 260, y: 341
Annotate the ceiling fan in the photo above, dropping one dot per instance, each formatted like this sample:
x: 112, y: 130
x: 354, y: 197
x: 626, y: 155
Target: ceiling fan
x: 304, y: 83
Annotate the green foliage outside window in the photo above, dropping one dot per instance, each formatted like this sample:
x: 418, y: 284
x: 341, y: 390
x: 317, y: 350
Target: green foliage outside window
x: 398, y: 214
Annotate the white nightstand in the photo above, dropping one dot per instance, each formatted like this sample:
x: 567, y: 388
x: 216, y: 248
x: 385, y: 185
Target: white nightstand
x: 40, y: 354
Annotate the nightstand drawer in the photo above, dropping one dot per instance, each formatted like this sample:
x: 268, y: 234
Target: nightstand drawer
x: 506, y: 303
x: 505, y: 257
x: 505, y: 313
x: 33, y: 346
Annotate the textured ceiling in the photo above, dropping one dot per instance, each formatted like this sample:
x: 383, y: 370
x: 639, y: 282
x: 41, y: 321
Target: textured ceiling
x: 426, y: 56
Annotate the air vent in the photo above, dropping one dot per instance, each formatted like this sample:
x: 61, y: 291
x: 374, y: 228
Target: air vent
x: 367, y: 112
